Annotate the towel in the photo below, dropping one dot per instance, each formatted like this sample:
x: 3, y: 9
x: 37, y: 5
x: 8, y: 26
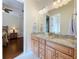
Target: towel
x: 73, y: 26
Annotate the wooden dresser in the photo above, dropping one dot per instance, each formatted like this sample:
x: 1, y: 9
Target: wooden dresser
x: 13, y: 35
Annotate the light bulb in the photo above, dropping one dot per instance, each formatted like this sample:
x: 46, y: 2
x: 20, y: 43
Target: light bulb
x: 58, y: 1
x: 61, y: 4
x: 54, y: 4
x: 66, y: 2
x: 43, y: 11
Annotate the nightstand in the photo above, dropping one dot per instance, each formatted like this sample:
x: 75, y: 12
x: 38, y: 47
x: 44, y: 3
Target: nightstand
x: 13, y: 35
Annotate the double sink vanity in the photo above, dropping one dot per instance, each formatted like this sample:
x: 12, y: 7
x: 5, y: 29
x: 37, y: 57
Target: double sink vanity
x: 54, y: 36
x: 52, y: 46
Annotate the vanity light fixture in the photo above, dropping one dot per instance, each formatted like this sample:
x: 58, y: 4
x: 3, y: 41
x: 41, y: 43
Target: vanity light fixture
x: 55, y: 5
x: 59, y: 1
x: 66, y: 2
x: 43, y: 11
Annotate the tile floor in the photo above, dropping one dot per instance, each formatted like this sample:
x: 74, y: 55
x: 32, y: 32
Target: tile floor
x: 28, y: 55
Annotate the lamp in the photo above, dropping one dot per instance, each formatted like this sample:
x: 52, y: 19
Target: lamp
x: 13, y: 30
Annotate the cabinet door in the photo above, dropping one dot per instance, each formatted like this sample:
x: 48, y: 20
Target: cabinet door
x: 60, y: 55
x: 50, y: 53
x: 35, y: 46
x: 32, y: 44
x: 41, y: 53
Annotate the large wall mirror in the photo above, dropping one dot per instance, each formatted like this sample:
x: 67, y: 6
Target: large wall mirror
x: 63, y: 20
x: 55, y: 24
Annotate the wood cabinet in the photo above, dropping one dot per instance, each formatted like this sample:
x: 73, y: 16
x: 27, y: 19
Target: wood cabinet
x: 42, y: 48
x: 62, y: 52
x: 13, y: 35
x: 66, y: 50
x: 35, y: 46
x: 45, y: 49
x: 41, y: 53
x: 50, y: 53
x: 60, y: 55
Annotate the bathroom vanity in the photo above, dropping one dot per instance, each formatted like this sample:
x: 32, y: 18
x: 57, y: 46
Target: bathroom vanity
x: 46, y: 47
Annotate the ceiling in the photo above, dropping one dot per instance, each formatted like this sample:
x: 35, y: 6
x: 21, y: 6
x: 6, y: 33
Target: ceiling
x: 40, y: 4
x: 18, y: 7
x: 14, y: 5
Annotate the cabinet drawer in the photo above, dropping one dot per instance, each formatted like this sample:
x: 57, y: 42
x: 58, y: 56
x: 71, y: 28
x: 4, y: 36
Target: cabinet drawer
x: 61, y: 48
x: 60, y: 55
x: 42, y: 41
x: 34, y: 38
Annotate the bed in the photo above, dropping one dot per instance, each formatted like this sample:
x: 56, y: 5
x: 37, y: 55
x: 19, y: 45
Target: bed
x: 5, y: 35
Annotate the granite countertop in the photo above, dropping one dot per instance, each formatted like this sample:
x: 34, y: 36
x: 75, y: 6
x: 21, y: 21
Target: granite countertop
x: 68, y: 42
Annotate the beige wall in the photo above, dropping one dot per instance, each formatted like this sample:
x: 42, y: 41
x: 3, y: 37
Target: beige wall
x: 31, y: 16
x: 66, y: 13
